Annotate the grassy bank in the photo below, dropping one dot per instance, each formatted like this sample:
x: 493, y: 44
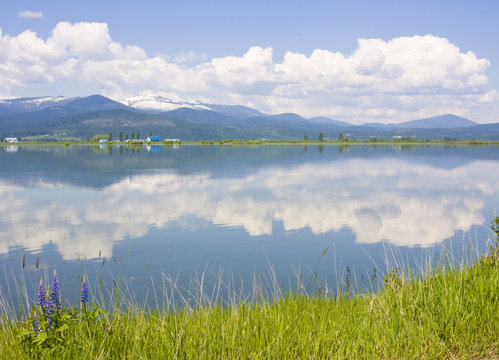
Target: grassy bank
x: 447, y: 313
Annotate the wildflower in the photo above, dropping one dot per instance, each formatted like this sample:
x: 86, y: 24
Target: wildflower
x: 84, y: 291
x: 41, y: 294
x: 36, y: 325
x: 48, y: 311
x: 56, y: 301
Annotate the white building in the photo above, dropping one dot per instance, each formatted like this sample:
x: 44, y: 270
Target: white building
x: 11, y: 140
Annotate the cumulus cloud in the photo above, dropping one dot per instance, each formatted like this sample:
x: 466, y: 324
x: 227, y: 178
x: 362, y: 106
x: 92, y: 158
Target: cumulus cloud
x: 371, y: 63
x: 189, y: 57
x: 30, y: 14
x: 400, y: 79
x: 412, y: 205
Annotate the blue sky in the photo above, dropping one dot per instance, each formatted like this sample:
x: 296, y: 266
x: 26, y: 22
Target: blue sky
x: 422, y: 58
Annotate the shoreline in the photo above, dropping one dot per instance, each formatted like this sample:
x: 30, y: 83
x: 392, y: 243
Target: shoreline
x: 446, y: 312
x: 231, y: 142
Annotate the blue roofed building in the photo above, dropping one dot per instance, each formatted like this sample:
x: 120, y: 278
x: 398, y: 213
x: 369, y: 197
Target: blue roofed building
x: 154, y: 138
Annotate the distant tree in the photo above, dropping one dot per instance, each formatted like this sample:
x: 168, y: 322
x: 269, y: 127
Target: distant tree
x: 126, y: 137
x: 321, y: 137
x: 98, y: 137
x: 121, y: 135
x: 340, y: 137
x: 305, y: 137
x: 138, y: 135
x: 133, y: 135
x: 150, y: 133
x: 110, y: 136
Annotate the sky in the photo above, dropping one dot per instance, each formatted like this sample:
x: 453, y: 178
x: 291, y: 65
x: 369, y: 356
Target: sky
x: 356, y: 61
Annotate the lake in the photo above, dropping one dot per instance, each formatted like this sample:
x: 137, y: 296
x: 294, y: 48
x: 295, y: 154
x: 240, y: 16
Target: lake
x: 163, y: 218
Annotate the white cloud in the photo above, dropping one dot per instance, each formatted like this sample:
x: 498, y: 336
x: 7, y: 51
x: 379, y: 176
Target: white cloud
x: 30, y: 14
x: 413, y: 205
x: 400, y: 79
x: 189, y: 57
x: 371, y: 63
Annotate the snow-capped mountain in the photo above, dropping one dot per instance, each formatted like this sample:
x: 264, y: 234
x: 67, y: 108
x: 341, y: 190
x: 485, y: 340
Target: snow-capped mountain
x: 33, y: 103
x: 96, y: 114
x: 155, y: 103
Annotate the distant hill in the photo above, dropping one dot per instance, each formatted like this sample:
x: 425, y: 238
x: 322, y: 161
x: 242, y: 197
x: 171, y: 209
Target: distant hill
x: 325, y: 120
x: 84, y: 117
x: 237, y: 111
x: 206, y: 117
x: 92, y: 103
x: 4, y: 111
x: 448, y: 121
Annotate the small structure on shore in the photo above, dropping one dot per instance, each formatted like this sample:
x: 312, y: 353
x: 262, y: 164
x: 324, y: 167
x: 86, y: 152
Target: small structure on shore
x: 154, y: 138
x: 11, y: 140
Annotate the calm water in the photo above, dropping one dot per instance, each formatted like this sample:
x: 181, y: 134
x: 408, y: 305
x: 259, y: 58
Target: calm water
x: 238, y: 213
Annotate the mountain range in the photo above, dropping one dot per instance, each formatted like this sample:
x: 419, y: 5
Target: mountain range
x: 82, y: 117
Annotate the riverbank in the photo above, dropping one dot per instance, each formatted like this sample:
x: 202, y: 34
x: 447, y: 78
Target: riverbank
x: 447, y: 313
x: 238, y: 142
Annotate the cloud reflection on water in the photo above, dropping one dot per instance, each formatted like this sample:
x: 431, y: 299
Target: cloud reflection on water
x: 389, y: 200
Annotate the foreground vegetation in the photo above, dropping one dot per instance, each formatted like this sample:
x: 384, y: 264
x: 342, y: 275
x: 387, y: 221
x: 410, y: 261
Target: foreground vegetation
x: 447, y: 313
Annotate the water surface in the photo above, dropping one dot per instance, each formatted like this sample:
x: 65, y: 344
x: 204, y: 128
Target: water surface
x: 240, y: 212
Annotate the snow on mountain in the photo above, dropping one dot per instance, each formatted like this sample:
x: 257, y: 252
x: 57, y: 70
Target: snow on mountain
x: 155, y: 103
x: 33, y: 103
x: 47, y: 99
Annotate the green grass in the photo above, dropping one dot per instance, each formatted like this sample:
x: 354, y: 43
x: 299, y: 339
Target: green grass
x: 446, y: 313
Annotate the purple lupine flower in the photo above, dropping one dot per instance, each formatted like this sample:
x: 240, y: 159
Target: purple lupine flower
x: 41, y: 294
x: 84, y: 291
x: 48, y: 311
x: 36, y: 325
x: 56, y: 301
